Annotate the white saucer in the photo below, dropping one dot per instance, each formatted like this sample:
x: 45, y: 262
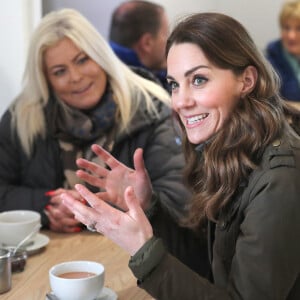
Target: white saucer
x: 106, y: 294
x: 39, y: 241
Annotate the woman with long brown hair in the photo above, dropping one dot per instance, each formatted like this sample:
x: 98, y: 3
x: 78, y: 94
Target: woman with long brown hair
x: 242, y: 148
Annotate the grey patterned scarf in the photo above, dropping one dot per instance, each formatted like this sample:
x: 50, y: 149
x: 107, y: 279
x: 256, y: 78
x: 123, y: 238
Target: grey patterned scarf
x: 76, y: 130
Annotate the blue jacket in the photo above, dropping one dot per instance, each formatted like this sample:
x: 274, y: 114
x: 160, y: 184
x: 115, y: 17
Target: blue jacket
x: 130, y: 58
x: 290, y: 87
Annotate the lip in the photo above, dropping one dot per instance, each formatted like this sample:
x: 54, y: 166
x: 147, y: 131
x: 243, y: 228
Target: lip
x: 83, y: 89
x: 195, y: 120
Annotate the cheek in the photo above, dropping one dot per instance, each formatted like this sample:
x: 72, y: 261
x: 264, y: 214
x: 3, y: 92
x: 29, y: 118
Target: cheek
x: 99, y: 74
x: 59, y: 85
x: 174, y: 103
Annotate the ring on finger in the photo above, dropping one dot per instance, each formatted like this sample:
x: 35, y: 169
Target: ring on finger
x: 92, y: 227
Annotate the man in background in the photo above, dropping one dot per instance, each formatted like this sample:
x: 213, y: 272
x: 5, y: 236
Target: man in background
x: 138, y: 35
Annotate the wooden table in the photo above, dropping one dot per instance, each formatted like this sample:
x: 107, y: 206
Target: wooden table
x: 33, y: 282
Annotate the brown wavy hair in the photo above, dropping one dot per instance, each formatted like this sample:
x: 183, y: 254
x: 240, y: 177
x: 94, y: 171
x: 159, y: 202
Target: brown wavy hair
x: 259, y: 118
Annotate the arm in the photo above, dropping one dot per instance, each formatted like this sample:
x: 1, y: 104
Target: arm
x: 267, y: 250
x: 16, y: 186
x: 266, y: 262
x: 24, y: 181
x: 162, y: 275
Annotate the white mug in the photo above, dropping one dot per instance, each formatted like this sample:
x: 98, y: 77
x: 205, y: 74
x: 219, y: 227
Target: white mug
x: 77, y: 280
x: 15, y: 225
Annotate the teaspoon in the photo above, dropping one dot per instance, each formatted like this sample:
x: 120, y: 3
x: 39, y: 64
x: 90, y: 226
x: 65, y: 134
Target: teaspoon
x: 29, y: 236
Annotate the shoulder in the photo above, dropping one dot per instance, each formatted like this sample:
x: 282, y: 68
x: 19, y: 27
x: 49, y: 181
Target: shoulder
x: 274, y: 51
x: 282, y: 152
x: 278, y: 175
x: 5, y: 124
x: 145, y: 74
x: 274, y: 46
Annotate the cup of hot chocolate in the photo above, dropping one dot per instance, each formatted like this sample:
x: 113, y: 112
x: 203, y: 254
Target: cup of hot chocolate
x: 77, y: 280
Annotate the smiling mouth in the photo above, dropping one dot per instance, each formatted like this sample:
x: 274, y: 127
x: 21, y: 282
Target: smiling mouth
x: 195, y: 119
x: 82, y: 90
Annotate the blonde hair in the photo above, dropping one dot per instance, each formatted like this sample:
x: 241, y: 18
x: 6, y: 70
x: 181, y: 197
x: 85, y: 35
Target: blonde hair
x: 290, y: 9
x: 128, y: 88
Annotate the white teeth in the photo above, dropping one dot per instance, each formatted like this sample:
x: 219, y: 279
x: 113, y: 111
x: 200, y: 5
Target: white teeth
x: 195, y: 119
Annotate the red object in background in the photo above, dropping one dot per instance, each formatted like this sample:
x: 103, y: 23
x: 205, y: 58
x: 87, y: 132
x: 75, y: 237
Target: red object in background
x: 50, y: 193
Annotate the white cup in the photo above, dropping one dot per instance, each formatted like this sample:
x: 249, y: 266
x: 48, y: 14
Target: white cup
x: 15, y: 225
x: 87, y: 288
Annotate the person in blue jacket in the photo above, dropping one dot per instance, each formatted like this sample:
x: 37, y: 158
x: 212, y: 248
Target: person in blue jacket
x: 138, y: 35
x: 284, y: 53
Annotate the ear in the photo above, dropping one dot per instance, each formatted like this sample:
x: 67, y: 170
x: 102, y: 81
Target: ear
x: 145, y: 42
x: 249, y: 78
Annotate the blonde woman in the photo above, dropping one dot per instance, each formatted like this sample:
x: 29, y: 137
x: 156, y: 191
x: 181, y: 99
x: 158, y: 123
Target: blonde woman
x: 77, y: 92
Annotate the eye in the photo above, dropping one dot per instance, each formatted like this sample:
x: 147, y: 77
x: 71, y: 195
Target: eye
x: 172, y: 86
x: 59, y: 72
x: 286, y: 28
x: 199, y: 80
x: 81, y: 60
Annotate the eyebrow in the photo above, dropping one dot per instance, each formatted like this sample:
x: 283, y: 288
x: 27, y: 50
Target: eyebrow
x: 62, y: 65
x: 189, y: 72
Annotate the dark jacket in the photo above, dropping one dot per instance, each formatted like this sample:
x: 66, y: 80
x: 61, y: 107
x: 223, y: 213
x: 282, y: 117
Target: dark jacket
x: 24, y: 181
x: 256, y: 249
x: 290, y: 87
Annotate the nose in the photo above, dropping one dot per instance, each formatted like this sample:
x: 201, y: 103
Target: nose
x: 182, y: 99
x: 75, y: 75
x: 291, y: 34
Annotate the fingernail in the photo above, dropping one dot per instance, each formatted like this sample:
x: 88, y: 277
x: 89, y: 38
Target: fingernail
x: 77, y: 229
x: 50, y: 193
x: 48, y: 207
x: 83, y: 201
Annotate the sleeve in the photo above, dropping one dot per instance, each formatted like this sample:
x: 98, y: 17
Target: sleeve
x: 13, y: 193
x: 164, y: 161
x: 165, y: 278
x: 266, y: 263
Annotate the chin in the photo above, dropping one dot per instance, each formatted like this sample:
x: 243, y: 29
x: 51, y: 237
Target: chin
x: 195, y: 141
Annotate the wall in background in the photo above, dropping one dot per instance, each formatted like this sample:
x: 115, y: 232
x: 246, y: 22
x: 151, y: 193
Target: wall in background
x: 19, y: 17
x: 17, y: 20
x: 259, y: 17
x: 97, y: 11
